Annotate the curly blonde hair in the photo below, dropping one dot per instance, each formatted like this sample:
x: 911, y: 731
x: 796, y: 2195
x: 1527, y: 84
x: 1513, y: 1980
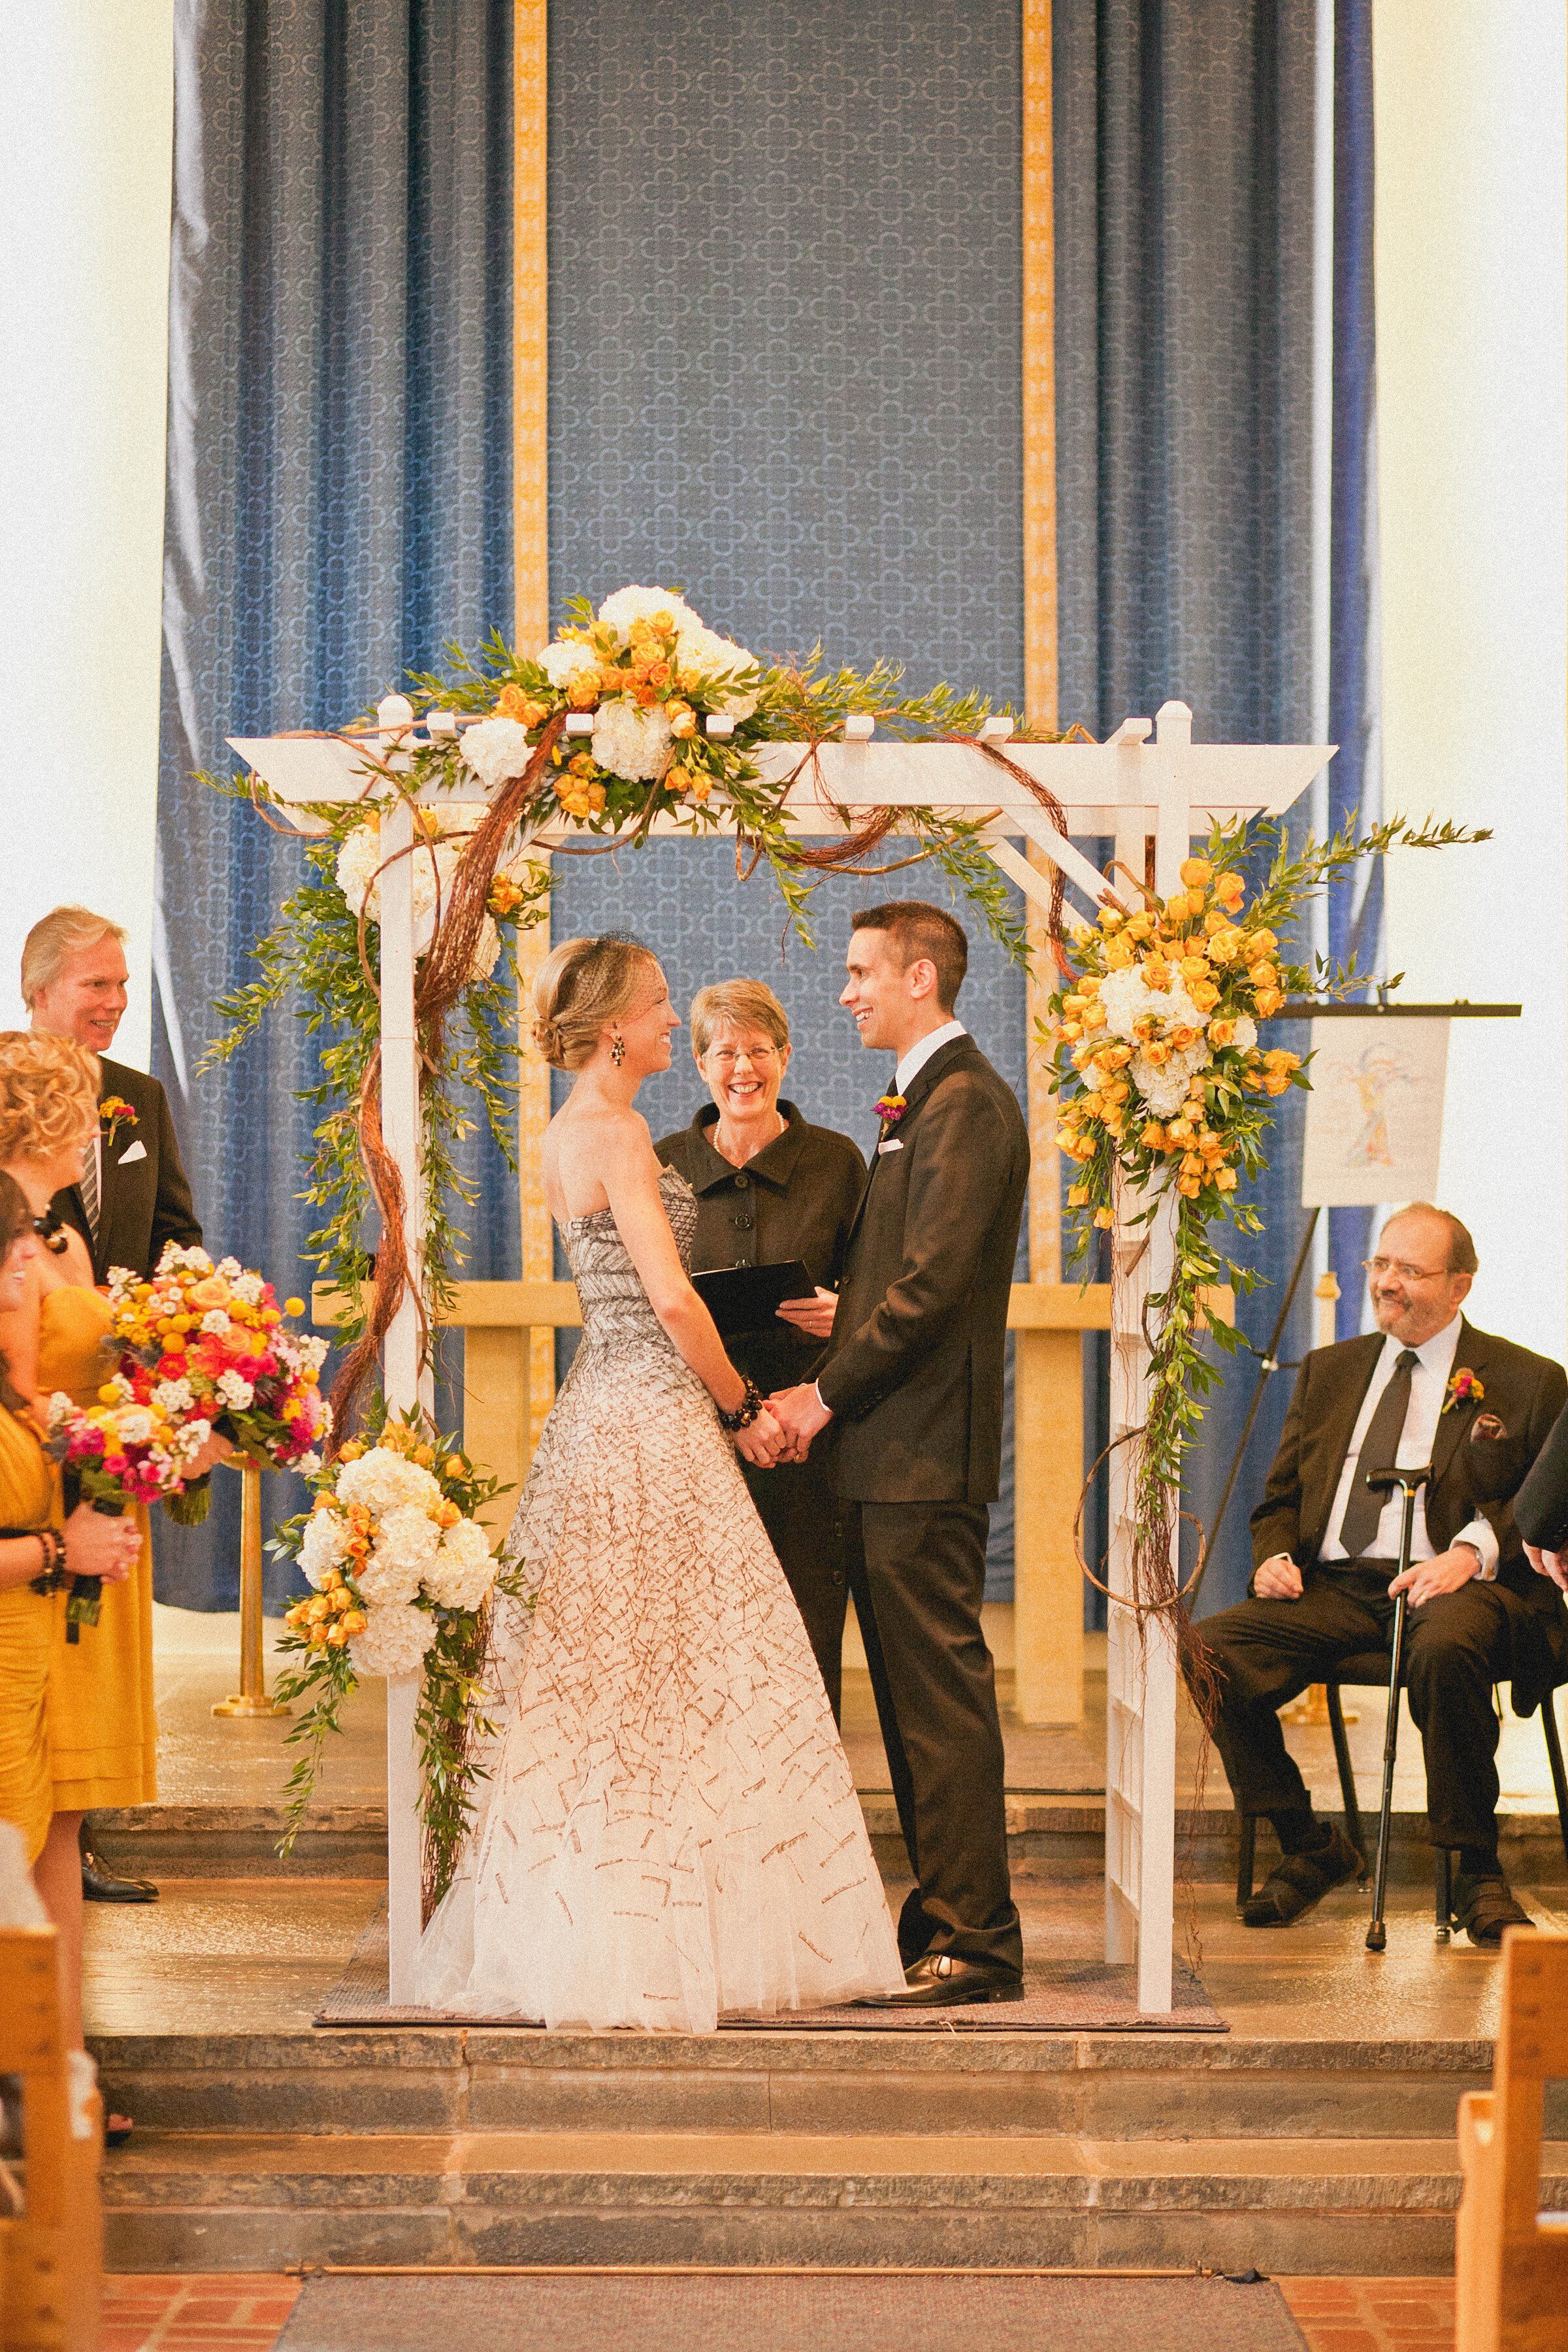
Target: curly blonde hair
x: 49, y: 1095
x: 581, y: 985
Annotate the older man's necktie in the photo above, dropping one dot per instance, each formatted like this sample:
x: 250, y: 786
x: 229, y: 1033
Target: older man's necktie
x: 88, y: 1187
x: 1379, y: 1450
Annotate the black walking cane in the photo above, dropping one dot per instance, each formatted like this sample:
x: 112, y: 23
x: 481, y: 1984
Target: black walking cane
x: 1410, y: 1483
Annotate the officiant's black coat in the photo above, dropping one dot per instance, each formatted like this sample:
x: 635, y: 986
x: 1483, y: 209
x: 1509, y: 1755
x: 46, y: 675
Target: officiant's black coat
x: 145, y: 1199
x: 914, y: 1370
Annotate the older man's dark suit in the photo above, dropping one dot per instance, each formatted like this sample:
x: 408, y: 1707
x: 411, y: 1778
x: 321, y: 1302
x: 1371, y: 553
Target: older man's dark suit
x: 914, y: 1381
x: 1457, y: 1644
x: 143, y: 1204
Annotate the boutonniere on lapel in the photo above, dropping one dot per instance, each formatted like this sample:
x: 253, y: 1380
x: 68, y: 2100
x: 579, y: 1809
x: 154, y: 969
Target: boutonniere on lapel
x: 114, y: 1112
x: 890, y: 1109
x: 1464, y: 1388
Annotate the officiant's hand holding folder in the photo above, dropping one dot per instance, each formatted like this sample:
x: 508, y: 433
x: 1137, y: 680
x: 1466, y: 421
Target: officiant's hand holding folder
x: 746, y: 1298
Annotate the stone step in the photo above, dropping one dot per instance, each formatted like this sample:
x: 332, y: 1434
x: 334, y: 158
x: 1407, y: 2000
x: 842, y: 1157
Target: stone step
x: 1129, y: 2087
x: 349, y: 1841
x: 188, y: 2201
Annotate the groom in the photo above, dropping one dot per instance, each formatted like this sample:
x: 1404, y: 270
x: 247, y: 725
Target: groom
x: 912, y: 1387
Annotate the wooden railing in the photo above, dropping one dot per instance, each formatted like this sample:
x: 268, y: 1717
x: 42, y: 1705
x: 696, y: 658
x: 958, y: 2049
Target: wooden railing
x: 1048, y: 1320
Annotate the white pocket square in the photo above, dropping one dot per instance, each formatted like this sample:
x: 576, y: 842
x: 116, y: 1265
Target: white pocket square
x: 892, y: 1144
x: 137, y: 1151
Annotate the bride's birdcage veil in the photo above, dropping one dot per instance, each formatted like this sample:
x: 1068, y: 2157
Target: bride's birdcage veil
x: 581, y: 985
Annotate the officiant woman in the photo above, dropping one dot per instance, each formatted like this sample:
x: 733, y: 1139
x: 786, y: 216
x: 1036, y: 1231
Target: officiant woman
x: 769, y: 1187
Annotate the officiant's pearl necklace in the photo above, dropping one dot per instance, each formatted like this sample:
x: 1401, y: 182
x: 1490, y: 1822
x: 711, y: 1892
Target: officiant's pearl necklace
x: 780, y: 1129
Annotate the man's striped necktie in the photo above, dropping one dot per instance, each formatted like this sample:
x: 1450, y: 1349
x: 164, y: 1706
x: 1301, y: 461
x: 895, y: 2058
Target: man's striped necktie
x: 88, y: 1187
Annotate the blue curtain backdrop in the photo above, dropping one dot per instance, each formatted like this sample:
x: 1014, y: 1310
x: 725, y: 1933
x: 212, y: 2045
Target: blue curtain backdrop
x: 339, y: 505
x: 1184, y: 215
x: 785, y: 283
x: 1355, y: 684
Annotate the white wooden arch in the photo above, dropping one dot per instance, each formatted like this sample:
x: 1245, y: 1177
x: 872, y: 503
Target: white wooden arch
x: 1147, y: 781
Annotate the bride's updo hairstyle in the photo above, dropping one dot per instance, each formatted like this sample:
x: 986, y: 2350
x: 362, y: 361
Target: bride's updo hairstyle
x: 583, y: 984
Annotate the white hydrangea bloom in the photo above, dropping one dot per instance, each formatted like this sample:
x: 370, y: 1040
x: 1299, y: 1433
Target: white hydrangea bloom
x: 561, y: 664
x: 1246, y: 1032
x: 358, y: 860
x: 323, y: 1546
x: 174, y: 1397
x: 496, y: 749
x: 631, y: 742
x: 215, y: 1319
x: 703, y: 652
x: 394, y: 1643
x: 234, y: 1392
x: 387, y: 1580
x: 1128, y: 999
x: 1164, y: 1086
x: 380, y: 1480
x: 628, y: 605
x: 407, y: 1532
x: 463, y: 1573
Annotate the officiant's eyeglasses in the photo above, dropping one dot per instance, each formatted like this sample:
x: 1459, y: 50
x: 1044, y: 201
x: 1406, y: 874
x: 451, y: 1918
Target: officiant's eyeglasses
x: 728, y: 1056
x: 1406, y: 1273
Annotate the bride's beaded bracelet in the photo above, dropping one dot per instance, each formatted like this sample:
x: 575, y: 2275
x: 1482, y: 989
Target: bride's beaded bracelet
x: 745, y: 1412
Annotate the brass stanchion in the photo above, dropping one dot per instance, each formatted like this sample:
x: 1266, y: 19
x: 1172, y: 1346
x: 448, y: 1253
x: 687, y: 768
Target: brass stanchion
x: 251, y: 1698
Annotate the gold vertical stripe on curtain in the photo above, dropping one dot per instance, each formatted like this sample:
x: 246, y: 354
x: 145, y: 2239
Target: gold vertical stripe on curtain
x: 531, y: 599
x: 1040, y: 371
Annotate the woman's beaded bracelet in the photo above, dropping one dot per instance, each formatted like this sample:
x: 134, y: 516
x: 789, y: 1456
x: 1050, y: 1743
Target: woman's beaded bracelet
x: 53, y: 1573
x: 745, y: 1412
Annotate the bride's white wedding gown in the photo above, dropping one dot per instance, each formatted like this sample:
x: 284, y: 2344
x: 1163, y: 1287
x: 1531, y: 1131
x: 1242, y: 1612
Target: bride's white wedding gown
x: 669, y: 1829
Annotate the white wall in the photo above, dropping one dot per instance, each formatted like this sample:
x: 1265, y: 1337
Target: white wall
x: 1472, y: 392
x: 85, y: 131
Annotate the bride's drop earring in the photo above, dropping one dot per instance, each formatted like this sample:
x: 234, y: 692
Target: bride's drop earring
x: 618, y: 1050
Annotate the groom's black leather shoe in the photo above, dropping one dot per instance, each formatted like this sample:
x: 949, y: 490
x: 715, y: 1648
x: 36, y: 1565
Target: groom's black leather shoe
x: 943, y: 1980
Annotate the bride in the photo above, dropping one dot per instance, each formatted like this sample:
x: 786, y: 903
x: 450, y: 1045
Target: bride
x: 668, y: 1830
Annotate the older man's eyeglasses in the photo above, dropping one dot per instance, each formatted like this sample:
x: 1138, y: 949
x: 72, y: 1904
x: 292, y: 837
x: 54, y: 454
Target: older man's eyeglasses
x: 1379, y: 1267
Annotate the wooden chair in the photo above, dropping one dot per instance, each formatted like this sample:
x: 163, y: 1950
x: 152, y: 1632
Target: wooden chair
x: 51, y: 2251
x: 1511, y: 2259
x: 1370, y: 1670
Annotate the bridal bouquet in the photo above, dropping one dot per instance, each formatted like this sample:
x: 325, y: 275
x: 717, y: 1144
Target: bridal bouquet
x: 119, y: 1452
x: 400, y: 1573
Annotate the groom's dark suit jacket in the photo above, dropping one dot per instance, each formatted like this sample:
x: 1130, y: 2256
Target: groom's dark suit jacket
x: 1480, y: 1455
x: 914, y: 1376
x: 145, y: 1201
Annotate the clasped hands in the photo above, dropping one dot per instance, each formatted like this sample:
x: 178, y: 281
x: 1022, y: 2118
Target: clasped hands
x: 784, y: 1428
x: 1280, y: 1579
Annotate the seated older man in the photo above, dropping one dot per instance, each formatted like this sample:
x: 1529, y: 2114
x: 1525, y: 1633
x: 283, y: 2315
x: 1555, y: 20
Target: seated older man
x: 1430, y: 1388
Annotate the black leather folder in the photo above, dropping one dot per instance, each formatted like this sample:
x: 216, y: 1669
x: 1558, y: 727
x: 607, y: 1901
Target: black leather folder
x: 743, y: 1298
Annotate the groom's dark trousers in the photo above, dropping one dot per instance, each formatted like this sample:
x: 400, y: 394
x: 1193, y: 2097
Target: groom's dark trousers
x: 913, y: 1379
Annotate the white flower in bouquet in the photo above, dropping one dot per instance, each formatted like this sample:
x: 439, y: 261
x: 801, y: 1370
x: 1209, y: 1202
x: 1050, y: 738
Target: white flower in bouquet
x: 702, y: 656
x: 359, y: 860
x: 1164, y: 1085
x: 628, y: 605
x: 388, y: 1582
x: 1245, y: 1032
x: 463, y: 1572
x: 561, y: 664
x: 394, y: 1641
x: 234, y: 1392
x: 248, y: 1288
x: 380, y: 1480
x: 323, y: 1546
x: 174, y: 1397
x: 189, y: 1439
x: 408, y: 1533
x: 135, y: 1428
x: 229, y: 1267
x: 495, y: 750
x: 633, y: 744
x: 1128, y: 999
x: 215, y: 1319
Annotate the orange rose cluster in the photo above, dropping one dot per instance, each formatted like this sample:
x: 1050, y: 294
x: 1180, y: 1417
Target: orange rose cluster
x: 1158, y: 1038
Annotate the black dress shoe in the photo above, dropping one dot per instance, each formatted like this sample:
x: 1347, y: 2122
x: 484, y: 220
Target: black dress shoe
x: 943, y: 1980
x: 1485, y: 1906
x: 99, y: 1883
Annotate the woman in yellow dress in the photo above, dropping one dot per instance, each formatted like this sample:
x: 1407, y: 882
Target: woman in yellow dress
x: 38, y: 1557
x: 100, y: 1727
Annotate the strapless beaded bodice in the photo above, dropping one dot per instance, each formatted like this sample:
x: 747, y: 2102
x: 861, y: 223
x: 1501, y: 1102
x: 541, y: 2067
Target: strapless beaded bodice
x: 616, y: 1308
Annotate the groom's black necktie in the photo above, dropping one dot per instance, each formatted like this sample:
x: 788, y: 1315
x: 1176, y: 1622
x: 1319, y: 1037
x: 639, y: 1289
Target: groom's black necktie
x: 1379, y: 1450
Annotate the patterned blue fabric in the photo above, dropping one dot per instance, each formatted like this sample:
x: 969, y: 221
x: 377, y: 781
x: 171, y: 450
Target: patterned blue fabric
x: 339, y: 504
x: 785, y: 283
x: 1184, y: 181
